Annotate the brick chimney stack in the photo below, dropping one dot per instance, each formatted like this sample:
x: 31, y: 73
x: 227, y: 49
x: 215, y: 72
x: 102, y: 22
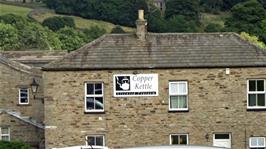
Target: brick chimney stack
x: 141, y: 26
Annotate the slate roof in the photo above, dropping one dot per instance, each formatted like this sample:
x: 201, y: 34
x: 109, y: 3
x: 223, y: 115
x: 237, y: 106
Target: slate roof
x: 163, y: 50
x: 36, y: 58
x: 20, y: 67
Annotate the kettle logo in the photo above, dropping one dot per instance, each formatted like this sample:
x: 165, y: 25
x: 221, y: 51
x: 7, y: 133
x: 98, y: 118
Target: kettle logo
x: 122, y: 83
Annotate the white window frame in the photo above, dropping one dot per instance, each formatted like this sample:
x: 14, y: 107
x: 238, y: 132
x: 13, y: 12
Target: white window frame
x: 256, y: 92
x: 19, y: 98
x: 177, y: 94
x: 257, y: 146
x: 5, y: 135
x: 95, y: 139
x: 97, y: 95
x: 178, y: 134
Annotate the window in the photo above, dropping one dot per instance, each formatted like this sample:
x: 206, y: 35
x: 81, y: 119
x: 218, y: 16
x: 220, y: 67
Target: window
x: 257, y: 142
x: 178, y: 139
x: 94, y: 101
x: 5, y: 134
x: 222, y: 140
x: 178, y: 96
x: 95, y: 140
x: 23, y: 96
x: 256, y: 94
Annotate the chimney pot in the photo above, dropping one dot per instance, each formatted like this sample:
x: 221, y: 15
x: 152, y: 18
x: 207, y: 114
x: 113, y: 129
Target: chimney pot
x: 141, y: 15
x: 141, y: 26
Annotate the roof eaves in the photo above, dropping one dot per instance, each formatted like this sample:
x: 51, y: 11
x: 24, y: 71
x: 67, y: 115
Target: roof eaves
x: 23, y: 119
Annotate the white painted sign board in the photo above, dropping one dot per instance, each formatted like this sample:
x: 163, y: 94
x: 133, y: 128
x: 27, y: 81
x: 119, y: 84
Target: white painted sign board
x: 126, y: 85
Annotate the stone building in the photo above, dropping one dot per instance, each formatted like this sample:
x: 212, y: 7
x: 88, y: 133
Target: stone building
x: 125, y: 90
x: 21, y: 109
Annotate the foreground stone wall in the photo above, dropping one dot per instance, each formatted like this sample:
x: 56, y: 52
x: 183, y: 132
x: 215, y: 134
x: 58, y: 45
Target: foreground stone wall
x: 22, y: 131
x: 217, y: 103
x: 11, y: 80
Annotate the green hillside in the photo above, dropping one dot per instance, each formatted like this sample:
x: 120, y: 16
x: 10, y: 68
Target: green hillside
x: 80, y: 22
x: 40, y: 15
x: 6, y: 9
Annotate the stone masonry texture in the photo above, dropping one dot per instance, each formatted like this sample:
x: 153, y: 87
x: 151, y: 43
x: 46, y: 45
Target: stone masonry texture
x: 217, y: 102
x: 11, y: 79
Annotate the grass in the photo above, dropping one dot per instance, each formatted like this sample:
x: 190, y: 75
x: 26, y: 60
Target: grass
x: 6, y: 9
x: 220, y: 18
x: 80, y: 22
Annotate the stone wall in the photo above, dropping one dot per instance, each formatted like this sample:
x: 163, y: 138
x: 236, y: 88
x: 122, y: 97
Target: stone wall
x: 22, y: 131
x: 217, y: 103
x: 11, y: 80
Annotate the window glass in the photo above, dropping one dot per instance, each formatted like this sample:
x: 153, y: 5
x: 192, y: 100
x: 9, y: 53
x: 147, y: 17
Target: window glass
x: 4, y: 131
x: 175, y: 139
x: 252, y: 85
x: 257, y: 142
x: 90, y: 103
x: 183, y: 139
x: 23, y: 96
x: 174, y: 101
x: 94, y: 97
x: 98, y: 88
x: 99, y: 140
x: 222, y: 136
x: 95, y: 140
x: 260, y: 85
x: 253, y: 142
x: 5, y: 138
x: 90, y: 89
x: 182, y: 88
x: 173, y: 88
x: 179, y: 139
x: 256, y: 94
x: 261, y: 99
x: 91, y: 140
x: 178, y: 98
x: 182, y: 101
x: 261, y: 141
x: 98, y: 103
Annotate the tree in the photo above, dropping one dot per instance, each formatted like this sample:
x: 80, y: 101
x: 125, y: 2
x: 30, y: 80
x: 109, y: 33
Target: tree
x: 93, y: 33
x: 116, y: 11
x: 253, y: 39
x: 211, y: 5
x: 9, y: 37
x: 70, y: 38
x: 178, y: 23
x: 212, y: 27
x: 246, y: 16
x: 228, y: 4
x: 57, y: 22
x: 263, y: 3
x: 117, y: 29
x: 156, y: 22
x: 189, y: 9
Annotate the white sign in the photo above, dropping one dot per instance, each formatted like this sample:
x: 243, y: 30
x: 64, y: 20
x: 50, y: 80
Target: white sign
x: 126, y: 85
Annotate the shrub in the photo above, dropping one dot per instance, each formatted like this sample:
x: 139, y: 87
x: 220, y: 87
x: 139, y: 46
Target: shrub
x: 13, y: 145
x: 9, y: 37
x: 58, y: 22
x: 212, y: 27
x: 117, y: 29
